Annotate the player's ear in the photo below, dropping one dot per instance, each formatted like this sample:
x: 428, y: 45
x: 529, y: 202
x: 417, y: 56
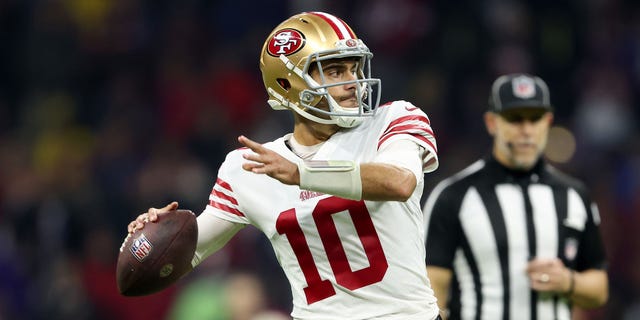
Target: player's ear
x: 490, y: 122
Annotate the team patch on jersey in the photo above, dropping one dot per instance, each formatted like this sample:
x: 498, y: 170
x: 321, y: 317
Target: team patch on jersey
x: 141, y: 247
x: 570, y: 248
x: 306, y: 194
x: 286, y: 41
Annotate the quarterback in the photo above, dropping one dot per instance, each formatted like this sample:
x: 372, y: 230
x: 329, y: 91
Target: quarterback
x: 339, y: 197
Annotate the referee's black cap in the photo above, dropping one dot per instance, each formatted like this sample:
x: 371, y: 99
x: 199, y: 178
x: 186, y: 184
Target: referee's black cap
x: 519, y: 90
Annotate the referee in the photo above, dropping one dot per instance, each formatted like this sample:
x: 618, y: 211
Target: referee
x: 511, y: 237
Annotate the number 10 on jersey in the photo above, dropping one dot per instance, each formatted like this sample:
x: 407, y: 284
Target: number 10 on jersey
x: 318, y: 289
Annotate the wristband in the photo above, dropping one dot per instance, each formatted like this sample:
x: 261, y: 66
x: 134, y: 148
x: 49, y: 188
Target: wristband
x: 572, y: 283
x: 338, y: 178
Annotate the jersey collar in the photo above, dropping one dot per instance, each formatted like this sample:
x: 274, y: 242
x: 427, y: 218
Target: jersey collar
x: 499, y: 170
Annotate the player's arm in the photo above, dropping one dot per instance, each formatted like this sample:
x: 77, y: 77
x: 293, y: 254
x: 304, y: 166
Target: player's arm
x: 392, y: 178
x: 386, y: 182
x: 213, y: 234
x: 440, y: 282
x: 394, y: 173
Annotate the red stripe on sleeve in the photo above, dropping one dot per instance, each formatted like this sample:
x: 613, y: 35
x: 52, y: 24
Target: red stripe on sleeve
x: 225, y: 208
x: 405, y: 119
x: 413, y: 134
x: 408, y: 128
x: 221, y: 195
x: 224, y: 184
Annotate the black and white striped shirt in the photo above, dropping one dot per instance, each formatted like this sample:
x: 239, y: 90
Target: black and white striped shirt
x: 481, y: 225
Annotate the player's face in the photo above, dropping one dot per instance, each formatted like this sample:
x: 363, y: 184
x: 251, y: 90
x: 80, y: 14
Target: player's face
x: 520, y: 136
x: 336, y: 71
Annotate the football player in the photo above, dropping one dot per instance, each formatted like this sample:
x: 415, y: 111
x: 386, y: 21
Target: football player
x: 339, y: 197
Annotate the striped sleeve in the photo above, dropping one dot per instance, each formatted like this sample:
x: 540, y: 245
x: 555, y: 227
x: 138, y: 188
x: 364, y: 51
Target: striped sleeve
x: 223, y: 202
x: 409, y: 122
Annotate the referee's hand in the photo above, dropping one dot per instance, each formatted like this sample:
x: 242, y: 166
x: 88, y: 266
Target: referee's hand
x: 549, y: 275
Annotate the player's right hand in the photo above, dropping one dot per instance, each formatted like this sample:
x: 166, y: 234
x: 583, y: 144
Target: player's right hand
x: 265, y: 161
x: 150, y: 216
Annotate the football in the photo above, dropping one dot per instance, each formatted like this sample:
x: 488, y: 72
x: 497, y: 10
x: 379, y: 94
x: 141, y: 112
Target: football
x: 156, y: 256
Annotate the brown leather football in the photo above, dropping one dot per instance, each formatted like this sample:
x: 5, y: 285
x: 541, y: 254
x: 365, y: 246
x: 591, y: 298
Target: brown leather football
x: 156, y: 256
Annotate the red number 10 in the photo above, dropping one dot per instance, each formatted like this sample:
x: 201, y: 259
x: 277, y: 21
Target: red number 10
x: 317, y: 288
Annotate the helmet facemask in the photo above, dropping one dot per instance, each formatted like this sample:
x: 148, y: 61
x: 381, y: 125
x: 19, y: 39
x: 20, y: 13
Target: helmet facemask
x: 367, y: 89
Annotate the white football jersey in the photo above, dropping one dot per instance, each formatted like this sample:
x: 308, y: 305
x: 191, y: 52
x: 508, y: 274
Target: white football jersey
x: 344, y: 259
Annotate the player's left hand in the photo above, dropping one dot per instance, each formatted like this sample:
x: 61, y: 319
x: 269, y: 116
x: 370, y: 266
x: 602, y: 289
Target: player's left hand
x: 548, y: 275
x: 266, y: 161
x: 150, y: 216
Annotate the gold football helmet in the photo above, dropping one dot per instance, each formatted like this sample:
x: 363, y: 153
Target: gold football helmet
x: 304, y: 40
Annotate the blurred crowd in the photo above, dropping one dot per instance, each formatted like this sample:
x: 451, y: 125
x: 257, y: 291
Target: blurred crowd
x: 109, y: 107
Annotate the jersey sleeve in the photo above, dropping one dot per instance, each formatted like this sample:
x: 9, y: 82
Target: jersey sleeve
x: 223, y: 201
x: 443, y: 230
x: 591, y: 254
x: 407, y: 121
x: 405, y: 154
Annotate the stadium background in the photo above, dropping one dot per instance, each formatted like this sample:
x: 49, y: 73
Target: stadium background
x: 108, y: 107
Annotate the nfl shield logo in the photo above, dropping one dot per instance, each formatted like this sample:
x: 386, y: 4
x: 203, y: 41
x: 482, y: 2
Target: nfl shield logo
x: 570, y: 248
x: 523, y: 87
x: 141, y: 247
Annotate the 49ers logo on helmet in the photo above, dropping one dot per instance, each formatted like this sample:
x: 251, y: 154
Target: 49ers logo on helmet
x: 285, y: 41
